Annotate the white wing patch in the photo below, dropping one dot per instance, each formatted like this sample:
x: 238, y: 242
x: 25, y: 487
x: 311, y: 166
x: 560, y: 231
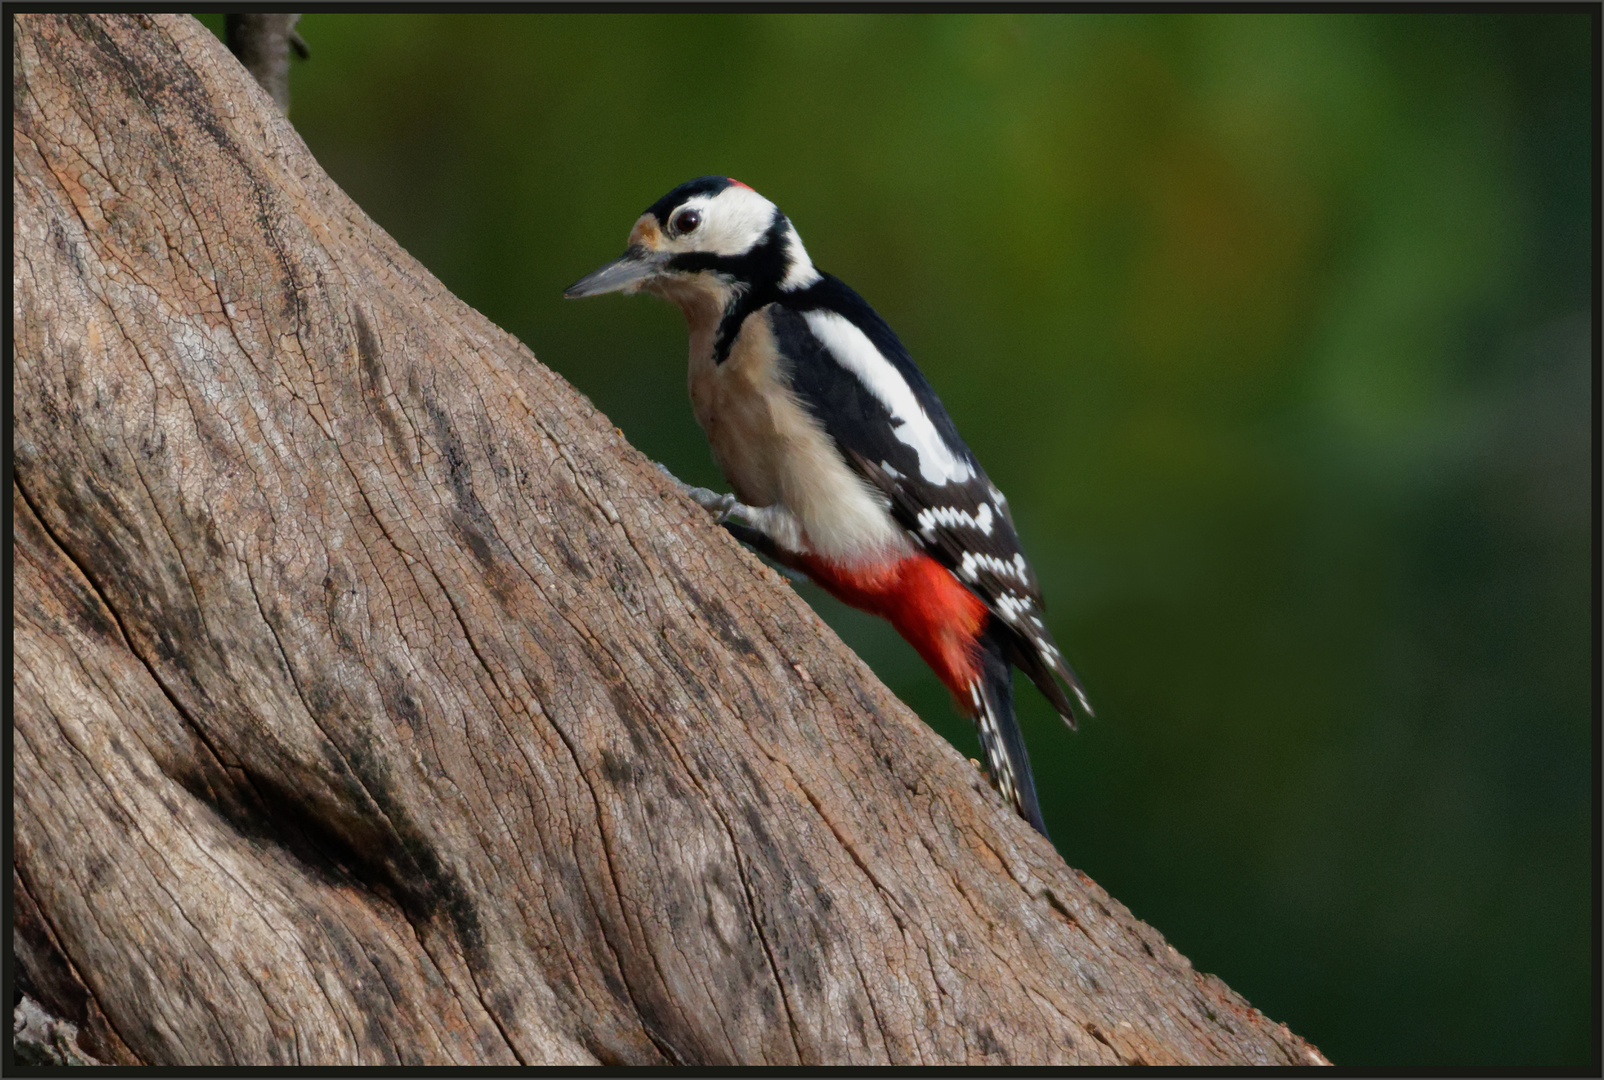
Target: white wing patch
x: 974, y: 562
x: 950, y: 517
x: 1010, y: 607
x: 853, y: 350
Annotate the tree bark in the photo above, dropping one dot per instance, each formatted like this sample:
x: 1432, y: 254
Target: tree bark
x: 376, y: 702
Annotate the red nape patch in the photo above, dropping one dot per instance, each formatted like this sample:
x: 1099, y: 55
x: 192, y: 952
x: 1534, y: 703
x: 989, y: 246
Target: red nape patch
x: 736, y: 182
x: 928, y: 606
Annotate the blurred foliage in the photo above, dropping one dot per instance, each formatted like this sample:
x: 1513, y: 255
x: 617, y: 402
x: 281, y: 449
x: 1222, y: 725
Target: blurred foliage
x: 1276, y: 329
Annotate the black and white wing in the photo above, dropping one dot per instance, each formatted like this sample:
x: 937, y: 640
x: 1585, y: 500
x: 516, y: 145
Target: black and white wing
x: 853, y: 374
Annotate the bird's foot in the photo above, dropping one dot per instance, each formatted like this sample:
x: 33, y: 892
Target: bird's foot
x: 775, y: 523
x: 722, y: 505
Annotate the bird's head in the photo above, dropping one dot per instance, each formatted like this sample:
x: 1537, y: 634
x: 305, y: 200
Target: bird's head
x: 705, y: 242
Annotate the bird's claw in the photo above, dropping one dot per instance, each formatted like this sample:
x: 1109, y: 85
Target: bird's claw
x: 721, y: 505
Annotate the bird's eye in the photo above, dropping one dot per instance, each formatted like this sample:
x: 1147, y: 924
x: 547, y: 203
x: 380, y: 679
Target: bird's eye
x: 687, y: 221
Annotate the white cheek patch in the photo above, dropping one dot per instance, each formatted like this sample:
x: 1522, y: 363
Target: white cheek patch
x: 852, y: 349
x: 733, y: 221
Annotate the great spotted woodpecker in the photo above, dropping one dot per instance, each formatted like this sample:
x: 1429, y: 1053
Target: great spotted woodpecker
x: 845, y: 465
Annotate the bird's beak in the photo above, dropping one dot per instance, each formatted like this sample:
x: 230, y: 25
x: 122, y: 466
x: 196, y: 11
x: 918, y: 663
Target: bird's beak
x: 624, y: 274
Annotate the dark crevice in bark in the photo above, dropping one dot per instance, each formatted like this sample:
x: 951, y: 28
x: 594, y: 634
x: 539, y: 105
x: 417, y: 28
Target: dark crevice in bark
x: 78, y: 1012
x: 275, y: 815
x: 280, y: 816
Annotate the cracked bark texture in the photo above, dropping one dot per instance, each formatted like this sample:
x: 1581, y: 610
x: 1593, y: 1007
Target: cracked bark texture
x: 376, y: 702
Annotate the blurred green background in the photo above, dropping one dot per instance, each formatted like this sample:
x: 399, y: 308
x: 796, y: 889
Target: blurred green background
x: 1275, y: 329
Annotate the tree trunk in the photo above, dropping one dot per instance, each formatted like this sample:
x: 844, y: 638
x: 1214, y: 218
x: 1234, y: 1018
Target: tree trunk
x: 376, y: 702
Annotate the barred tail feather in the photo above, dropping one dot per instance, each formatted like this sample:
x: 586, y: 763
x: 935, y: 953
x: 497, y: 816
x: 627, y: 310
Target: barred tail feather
x: 991, y: 696
x: 1044, y: 665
